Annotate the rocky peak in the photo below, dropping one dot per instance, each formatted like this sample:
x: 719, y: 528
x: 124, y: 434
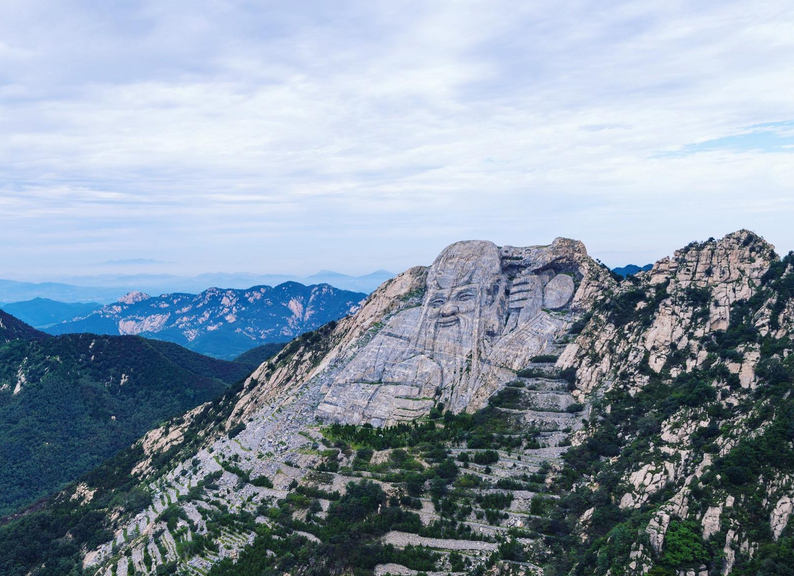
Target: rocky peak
x: 134, y: 297
x: 737, y: 257
x: 689, y: 293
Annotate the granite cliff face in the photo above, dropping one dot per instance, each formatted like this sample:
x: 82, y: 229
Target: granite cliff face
x: 484, y: 313
x: 452, y: 334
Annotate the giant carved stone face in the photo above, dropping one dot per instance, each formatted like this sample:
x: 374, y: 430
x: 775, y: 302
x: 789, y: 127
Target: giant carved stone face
x: 464, y: 289
x: 447, y: 306
x: 481, y: 319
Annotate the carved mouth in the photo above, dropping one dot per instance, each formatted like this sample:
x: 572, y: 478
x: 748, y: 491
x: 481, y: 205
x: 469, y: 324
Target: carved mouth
x: 448, y: 321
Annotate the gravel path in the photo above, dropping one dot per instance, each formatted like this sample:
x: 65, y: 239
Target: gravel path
x: 403, y: 539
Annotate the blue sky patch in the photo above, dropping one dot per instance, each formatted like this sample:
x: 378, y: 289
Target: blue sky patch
x: 766, y: 138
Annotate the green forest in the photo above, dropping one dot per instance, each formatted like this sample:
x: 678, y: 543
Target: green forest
x: 67, y: 403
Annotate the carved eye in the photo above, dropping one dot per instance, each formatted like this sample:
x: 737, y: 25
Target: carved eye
x: 465, y: 296
x: 437, y: 302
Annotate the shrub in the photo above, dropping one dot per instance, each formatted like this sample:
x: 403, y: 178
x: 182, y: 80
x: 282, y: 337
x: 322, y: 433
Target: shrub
x: 530, y: 373
x: 235, y: 431
x: 622, y: 308
x: 365, y: 453
x: 495, y: 500
x: 262, y: 482
x: 512, y: 550
x: 683, y: 546
x: 569, y: 375
x: 447, y: 469
x: 537, y: 506
x: 738, y: 475
x: 544, y: 358
x: 487, y: 457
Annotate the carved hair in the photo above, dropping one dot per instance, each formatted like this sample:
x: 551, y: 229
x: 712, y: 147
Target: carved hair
x: 471, y: 262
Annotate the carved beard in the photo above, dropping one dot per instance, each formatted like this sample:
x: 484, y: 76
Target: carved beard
x: 464, y: 286
x: 449, y: 331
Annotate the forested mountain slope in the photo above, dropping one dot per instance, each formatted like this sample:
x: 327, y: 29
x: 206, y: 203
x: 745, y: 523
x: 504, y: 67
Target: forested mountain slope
x: 12, y: 328
x: 69, y: 402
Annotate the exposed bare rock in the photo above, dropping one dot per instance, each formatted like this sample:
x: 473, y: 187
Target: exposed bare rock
x: 289, y: 370
x: 403, y: 539
x: 780, y: 515
x: 729, y: 552
x: 485, y: 312
x: 711, y: 521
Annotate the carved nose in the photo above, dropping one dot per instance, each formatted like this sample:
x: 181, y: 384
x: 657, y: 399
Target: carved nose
x: 449, y: 311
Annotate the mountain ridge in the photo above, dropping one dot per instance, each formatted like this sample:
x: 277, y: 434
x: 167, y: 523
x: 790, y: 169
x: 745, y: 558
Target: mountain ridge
x: 649, y: 434
x: 108, y: 288
x: 631, y: 269
x: 11, y: 328
x: 220, y: 322
x: 43, y: 312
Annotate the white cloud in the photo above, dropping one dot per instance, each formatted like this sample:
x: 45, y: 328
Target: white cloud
x: 275, y: 137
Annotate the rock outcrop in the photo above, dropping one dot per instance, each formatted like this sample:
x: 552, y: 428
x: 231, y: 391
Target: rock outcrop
x: 702, y: 343
x: 485, y: 312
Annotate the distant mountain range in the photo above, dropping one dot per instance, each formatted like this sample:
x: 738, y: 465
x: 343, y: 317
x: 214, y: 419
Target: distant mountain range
x: 13, y: 291
x: 222, y: 323
x: 109, y: 288
x: 631, y: 269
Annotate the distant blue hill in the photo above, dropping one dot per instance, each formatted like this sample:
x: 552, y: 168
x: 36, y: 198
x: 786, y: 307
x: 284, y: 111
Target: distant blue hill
x: 43, y: 312
x: 13, y: 291
x: 631, y: 269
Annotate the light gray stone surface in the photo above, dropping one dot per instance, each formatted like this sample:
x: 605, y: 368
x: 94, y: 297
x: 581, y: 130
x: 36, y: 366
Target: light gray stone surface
x: 485, y: 312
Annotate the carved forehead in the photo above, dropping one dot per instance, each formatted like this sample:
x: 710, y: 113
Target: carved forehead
x: 454, y: 290
x: 462, y: 263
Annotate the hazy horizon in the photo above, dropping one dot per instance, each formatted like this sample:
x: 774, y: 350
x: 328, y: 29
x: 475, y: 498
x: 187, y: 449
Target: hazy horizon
x: 114, y: 273
x: 115, y: 270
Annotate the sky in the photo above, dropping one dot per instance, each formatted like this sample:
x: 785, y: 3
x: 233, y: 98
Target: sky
x: 287, y: 137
